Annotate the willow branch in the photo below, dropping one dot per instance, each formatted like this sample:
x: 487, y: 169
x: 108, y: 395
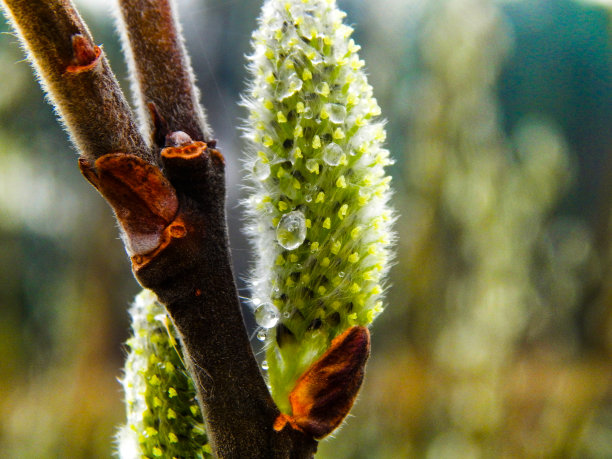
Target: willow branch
x: 161, y: 68
x: 77, y: 77
x: 173, y: 220
x: 191, y: 270
x: 191, y: 274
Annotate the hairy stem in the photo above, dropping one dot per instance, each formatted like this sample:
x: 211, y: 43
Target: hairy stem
x: 161, y: 68
x: 77, y: 77
x: 192, y: 276
x: 173, y: 220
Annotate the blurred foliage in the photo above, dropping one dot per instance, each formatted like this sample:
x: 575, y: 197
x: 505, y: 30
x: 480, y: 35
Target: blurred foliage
x: 497, y: 341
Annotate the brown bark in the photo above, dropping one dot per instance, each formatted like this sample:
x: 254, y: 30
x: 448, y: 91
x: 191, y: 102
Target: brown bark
x: 161, y: 67
x: 89, y: 101
x: 173, y: 219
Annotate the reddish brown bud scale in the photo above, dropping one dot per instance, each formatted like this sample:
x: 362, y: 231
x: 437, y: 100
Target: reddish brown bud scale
x: 86, y: 55
x: 176, y: 230
x: 325, y: 393
x: 192, y: 150
x: 188, y: 151
x: 144, y: 201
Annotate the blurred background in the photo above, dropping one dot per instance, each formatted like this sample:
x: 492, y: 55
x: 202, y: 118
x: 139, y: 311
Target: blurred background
x: 497, y: 338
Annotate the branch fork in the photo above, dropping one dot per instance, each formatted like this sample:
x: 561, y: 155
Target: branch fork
x: 168, y: 195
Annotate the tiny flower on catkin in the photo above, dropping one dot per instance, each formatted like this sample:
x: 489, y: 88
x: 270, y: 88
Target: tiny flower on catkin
x: 163, y: 416
x: 318, y: 193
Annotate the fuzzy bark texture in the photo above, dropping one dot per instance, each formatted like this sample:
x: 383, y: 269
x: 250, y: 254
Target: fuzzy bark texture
x: 173, y: 220
x: 83, y: 91
x: 160, y: 67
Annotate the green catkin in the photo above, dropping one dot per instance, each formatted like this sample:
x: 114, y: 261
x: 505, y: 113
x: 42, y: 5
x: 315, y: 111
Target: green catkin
x: 163, y: 416
x: 318, y: 193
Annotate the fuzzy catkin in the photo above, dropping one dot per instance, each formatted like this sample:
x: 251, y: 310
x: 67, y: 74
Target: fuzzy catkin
x: 318, y: 212
x: 163, y: 416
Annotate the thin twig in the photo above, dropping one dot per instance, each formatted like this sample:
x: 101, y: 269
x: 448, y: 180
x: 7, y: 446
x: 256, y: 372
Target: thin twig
x: 160, y: 67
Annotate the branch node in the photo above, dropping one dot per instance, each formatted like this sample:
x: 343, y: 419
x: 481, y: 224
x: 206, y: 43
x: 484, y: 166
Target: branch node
x: 184, y: 152
x: 86, y: 55
x: 144, y: 201
x: 176, y: 230
x: 196, y: 171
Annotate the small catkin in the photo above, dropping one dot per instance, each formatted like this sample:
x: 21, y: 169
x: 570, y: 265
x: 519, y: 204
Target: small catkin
x: 318, y: 213
x: 163, y: 416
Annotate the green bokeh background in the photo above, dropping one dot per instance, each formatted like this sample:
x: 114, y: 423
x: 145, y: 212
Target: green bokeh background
x: 540, y: 80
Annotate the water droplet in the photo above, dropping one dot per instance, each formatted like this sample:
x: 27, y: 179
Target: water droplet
x: 308, y: 113
x: 310, y: 192
x: 286, y: 314
x: 341, y: 274
x: 262, y: 335
x: 261, y: 170
x: 296, y: 153
x: 312, y: 165
x: 337, y: 113
x: 288, y: 86
x: 322, y: 89
x: 317, y: 59
x: 264, y: 365
x: 291, y: 230
x: 332, y: 154
x: 267, y: 315
x: 307, y: 23
x: 255, y: 301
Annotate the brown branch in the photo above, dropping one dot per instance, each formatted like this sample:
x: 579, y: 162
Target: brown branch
x: 161, y: 67
x: 77, y: 78
x: 175, y: 232
x: 174, y: 221
x: 192, y: 276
